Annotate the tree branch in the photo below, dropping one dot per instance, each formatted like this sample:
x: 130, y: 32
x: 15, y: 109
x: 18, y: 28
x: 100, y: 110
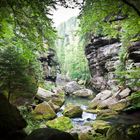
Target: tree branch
x: 132, y: 5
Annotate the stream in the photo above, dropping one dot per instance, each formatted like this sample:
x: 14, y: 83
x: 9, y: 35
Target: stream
x: 83, y: 103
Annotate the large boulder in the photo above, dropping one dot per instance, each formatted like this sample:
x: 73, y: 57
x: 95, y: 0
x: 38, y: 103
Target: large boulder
x: 44, y: 95
x: 85, y: 93
x: 44, y: 111
x: 61, y: 123
x: 72, y: 87
x: 11, y: 122
x: 49, y: 134
x: 73, y: 111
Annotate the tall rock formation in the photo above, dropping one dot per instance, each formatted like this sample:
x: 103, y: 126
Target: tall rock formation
x: 103, y: 58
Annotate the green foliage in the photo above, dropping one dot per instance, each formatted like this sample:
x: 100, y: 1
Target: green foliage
x: 18, y: 72
x: 103, y: 17
x: 135, y: 101
x: 70, y: 51
x: 32, y: 123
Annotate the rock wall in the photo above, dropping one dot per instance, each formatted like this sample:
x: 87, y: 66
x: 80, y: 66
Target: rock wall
x: 50, y: 65
x: 102, y: 56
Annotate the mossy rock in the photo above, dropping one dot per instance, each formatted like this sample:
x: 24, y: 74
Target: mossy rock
x: 119, y: 106
x: 101, y: 126
x: 43, y: 111
x: 72, y: 111
x: 59, y: 101
x: 60, y: 123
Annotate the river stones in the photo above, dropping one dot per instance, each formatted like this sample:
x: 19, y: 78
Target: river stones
x: 107, y: 100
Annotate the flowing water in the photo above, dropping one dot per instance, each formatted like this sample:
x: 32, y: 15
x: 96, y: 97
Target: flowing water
x: 83, y: 103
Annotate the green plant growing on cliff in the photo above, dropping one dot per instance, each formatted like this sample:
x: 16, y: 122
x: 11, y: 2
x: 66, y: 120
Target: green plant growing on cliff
x: 18, y: 73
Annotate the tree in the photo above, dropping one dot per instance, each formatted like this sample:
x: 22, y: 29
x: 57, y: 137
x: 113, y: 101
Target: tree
x: 18, y: 73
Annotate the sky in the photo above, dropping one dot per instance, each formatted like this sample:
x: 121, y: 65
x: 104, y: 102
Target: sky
x: 63, y: 14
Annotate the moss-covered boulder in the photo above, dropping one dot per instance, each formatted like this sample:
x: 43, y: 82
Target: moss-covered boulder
x: 101, y: 126
x: 59, y: 101
x: 72, y: 111
x: 44, y: 111
x: 61, y: 123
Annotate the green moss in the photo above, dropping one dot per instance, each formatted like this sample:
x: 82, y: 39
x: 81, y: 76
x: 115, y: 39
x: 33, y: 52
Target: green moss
x: 72, y: 111
x: 61, y: 123
x: 43, y: 111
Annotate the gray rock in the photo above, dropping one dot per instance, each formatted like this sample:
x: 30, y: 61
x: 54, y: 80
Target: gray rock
x: 45, y: 95
x: 72, y: 87
x: 86, y: 93
x: 107, y: 103
x: 105, y: 94
x: 125, y: 93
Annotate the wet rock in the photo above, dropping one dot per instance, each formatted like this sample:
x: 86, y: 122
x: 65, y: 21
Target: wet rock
x: 49, y: 134
x: 73, y: 111
x: 72, y: 87
x: 61, y: 123
x: 44, y: 111
x: 85, y: 93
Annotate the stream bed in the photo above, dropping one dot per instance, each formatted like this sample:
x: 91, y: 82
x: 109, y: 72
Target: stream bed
x: 83, y: 103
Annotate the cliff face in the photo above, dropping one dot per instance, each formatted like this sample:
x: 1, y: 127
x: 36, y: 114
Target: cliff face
x: 102, y: 56
x: 50, y: 65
